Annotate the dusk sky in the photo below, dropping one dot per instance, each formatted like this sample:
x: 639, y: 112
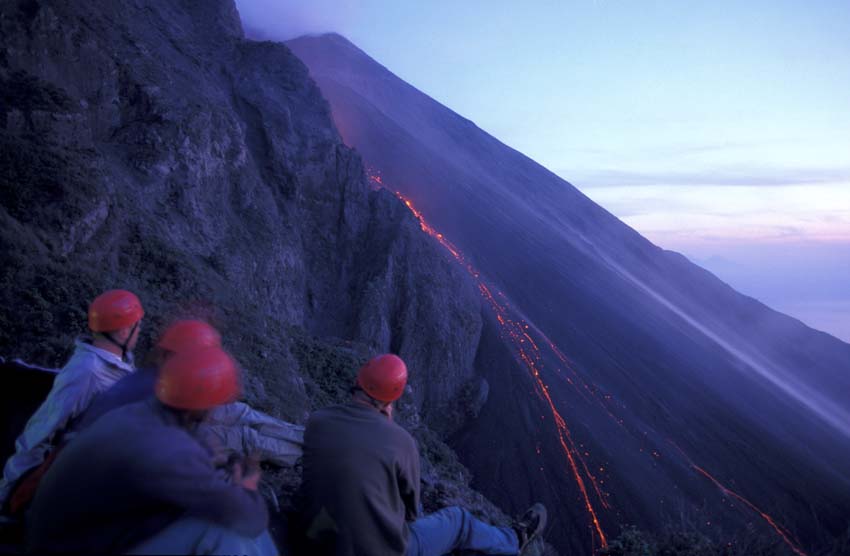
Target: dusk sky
x: 718, y: 129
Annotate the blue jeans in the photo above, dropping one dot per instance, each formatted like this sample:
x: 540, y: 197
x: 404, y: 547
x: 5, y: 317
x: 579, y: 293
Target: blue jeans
x: 454, y: 528
x: 194, y: 536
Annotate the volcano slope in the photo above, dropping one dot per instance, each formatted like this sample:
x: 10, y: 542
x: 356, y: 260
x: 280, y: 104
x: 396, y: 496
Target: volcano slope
x: 148, y: 145
x: 626, y: 385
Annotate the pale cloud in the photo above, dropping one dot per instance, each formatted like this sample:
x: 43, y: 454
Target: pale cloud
x: 282, y: 20
x: 684, y: 217
x: 714, y: 177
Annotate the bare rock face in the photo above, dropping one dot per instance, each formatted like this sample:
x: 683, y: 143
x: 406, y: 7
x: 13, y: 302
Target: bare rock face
x: 148, y: 145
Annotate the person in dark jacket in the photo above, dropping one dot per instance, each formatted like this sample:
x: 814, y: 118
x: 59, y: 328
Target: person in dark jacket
x: 140, y: 482
x: 232, y: 429
x: 360, y: 490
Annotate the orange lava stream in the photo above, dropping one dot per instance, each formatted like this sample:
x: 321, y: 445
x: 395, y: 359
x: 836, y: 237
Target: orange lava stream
x: 783, y: 533
x: 527, y: 352
x: 565, y: 362
x: 530, y: 356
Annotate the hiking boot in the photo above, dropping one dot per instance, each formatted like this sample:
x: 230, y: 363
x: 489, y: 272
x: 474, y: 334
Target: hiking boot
x: 530, y: 525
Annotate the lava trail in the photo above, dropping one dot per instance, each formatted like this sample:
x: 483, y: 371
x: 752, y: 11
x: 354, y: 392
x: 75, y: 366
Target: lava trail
x: 528, y: 353
x: 783, y: 533
x: 520, y: 333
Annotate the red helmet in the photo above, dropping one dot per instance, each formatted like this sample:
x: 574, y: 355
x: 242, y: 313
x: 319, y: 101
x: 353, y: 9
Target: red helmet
x: 186, y: 335
x: 383, y: 377
x: 199, y: 379
x: 113, y: 310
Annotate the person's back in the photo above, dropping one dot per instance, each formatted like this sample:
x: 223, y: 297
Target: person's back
x: 361, y: 481
x: 133, y: 388
x: 114, y: 319
x: 126, y: 478
x: 360, y: 489
x: 233, y: 428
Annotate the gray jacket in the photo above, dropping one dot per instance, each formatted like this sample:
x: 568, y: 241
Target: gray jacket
x: 233, y: 428
x: 236, y: 428
x: 89, y: 372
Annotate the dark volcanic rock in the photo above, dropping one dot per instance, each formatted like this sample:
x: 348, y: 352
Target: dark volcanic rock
x: 148, y: 145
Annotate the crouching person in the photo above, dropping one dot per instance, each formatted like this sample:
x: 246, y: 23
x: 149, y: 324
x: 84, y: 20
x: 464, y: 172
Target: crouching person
x: 138, y: 481
x: 360, y: 491
x: 231, y: 430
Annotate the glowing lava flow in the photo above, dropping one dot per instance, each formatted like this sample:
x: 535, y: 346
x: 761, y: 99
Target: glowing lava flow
x: 529, y: 354
x: 783, y: 533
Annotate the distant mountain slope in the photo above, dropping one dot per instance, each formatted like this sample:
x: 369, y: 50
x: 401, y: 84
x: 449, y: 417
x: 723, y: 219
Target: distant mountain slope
x: 626, y: 385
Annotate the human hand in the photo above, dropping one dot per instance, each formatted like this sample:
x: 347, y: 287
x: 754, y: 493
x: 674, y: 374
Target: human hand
x: 247, y: 473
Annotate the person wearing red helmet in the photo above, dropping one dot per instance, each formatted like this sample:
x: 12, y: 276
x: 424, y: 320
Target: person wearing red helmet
x: 114, y: 318
x: 360, y: 492
x: 179, y: 337
x: 153, y: 489
x: 231, y: 430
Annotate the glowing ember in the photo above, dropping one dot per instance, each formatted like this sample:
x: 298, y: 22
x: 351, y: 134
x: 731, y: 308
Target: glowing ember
x: 783, y: 533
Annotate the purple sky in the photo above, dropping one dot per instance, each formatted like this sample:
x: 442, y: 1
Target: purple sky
x: 717, y: 129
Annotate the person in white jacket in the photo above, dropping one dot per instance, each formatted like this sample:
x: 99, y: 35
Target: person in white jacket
x: 114, y: 318
x: 233, y: 429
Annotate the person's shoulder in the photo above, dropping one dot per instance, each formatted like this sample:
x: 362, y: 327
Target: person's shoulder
x: 328, y: 412
x: 79, y: 368
x: 400, y: 432
x: 132, y: 415
x: 85, y: 359
x: 145, y: 376
x: 153, y: 430
x: 398, y: 442
x: 83, y: 353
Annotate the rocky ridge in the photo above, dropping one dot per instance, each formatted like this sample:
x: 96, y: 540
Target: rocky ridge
x: 149, y: 145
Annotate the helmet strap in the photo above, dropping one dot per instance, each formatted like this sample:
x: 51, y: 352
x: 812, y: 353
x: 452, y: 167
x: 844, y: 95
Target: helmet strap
x: 123, y: 346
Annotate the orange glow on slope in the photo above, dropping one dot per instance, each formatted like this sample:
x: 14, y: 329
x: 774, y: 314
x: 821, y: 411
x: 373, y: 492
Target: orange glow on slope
x: 530, y: 356
x: 528, y: 353
x: 783, y: 533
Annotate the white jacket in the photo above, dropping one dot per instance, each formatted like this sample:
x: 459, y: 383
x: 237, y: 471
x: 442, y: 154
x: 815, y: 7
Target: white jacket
x: 89, y: 372
x: 236, y: 428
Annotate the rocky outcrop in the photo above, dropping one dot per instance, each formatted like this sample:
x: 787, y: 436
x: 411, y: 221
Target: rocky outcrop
x: 149, y: 145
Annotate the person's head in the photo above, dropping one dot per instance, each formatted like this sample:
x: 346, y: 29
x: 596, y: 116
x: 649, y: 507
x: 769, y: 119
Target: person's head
x: 115, y: 319
x: 194, y: 382
x: 184, y: 335
x: 381, y: 381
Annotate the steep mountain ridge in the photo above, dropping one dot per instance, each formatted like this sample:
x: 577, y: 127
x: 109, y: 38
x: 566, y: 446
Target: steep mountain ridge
x: 149, y: 145
x: 152, y: 145
x: 671, y: 385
